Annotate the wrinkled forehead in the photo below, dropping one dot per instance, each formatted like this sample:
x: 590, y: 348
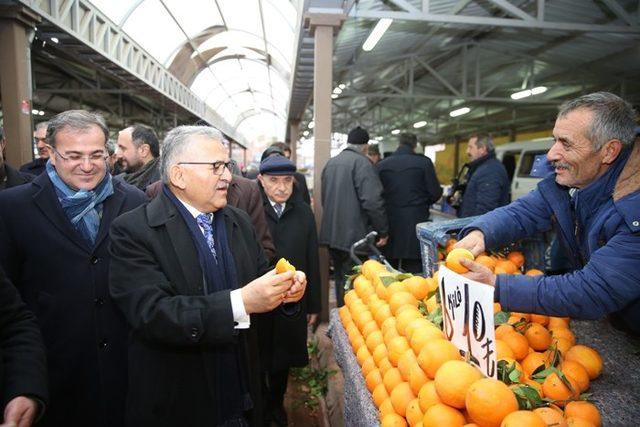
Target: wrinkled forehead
x: 205, y: 148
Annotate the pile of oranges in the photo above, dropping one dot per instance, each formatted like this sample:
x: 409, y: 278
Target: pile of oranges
x: 418, y: 378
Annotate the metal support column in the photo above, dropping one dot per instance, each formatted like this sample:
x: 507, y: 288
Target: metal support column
x: 294, y: 129
x: 16, y: 25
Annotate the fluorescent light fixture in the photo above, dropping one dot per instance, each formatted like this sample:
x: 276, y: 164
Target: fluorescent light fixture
x: 420, y: 124
x: 34, y: 112
x: 337, y: 90
x: 41, y: 113
x: 342, y: 85
x: 376, y: 34
x: 538, y: 90
x: 379, y: 138
x: 334, y: 95
x: 311, y: 125
x: 460, y: 111
x: 395, y: 131
x: 55, y: 40
x: 305, y: 133
x: 528, y: 92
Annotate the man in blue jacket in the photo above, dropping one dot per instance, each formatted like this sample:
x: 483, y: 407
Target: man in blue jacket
x: 487, y: 185
x: 593, y: 201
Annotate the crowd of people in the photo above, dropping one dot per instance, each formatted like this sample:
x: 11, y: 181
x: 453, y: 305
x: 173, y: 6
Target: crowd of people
x: 136, y: 276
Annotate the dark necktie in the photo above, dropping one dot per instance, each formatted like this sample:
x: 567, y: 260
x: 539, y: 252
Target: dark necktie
x: 278, y: 209
x: 204, y: 222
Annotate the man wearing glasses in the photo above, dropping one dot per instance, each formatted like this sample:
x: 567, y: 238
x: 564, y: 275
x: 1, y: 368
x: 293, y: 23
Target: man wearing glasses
x: 188, y: 272
x: 53, y: 246
x: 37, y: 165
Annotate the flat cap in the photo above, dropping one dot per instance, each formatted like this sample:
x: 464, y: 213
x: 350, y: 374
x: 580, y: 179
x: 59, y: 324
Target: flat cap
x: 277, y: 165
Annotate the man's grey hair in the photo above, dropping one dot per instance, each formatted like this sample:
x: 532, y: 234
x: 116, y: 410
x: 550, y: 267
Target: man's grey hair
x: 178, y: 141
x: 78, y: 120
x: 111, y: 147
x: 613, y: 118
x: 484, y: 140
x: 42, y: 125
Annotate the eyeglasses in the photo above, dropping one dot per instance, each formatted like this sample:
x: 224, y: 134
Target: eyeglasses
x: 218, y: 167
x: 77, y: 159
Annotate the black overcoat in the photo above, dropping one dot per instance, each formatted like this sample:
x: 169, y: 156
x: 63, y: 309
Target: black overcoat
x: 410, y: 187
x: 157, y: 282
x: 283, y: 338
x: 64, y: 283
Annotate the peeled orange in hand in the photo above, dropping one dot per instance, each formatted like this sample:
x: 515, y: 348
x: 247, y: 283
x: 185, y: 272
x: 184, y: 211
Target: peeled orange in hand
x: 453, y: 260
x: 283, y: 266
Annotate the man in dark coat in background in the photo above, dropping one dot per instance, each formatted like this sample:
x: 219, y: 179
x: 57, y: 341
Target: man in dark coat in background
x: 37, y: 166
x: 9, y: 177
x: 53, y: 247
x: 300, y: 188
x: 352, y: 205
x: 410, y: 187
x: 282, y: 333
x: 23, y: 373
x: 487, y: 183
x: 185, y: 272
x: 137, y: 152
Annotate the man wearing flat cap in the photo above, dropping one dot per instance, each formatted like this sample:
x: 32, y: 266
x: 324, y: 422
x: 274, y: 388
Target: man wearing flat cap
x: 352, y: 205
x: 283, y: 333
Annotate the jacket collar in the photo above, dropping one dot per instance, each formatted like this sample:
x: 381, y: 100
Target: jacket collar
x: 473, y: 165
x: 47, y: 201
x: 629, y: 179
x: 404, y: 149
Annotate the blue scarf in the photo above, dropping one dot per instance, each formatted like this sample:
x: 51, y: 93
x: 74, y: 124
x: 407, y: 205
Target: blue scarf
x: 231, y: 390
x: 83, y: 208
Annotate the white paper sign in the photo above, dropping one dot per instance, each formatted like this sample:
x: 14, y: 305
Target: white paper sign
x: 467, y: 318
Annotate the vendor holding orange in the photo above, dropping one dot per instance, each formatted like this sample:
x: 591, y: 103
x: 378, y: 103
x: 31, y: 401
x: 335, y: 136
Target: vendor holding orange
x: 592, y: 200
x: 282, y: 334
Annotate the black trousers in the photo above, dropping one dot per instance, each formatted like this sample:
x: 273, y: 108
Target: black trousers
x: 274, y: 388
x: 342, y: 267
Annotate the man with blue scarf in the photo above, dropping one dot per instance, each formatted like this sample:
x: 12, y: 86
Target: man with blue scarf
x: 188, y: 272
x: 592, y: 199
x: 54, y: 247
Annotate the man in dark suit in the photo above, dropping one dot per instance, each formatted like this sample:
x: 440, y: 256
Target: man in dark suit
x: 9, y: 177
x: 410, y: 187
x: 185, y: 274
x: 283, y: 333
x: 23, y: 373
x: 53, y: 246
x: 36, y: 166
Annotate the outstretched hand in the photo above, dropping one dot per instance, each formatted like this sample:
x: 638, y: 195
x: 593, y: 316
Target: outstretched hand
x: 478, y: 272
x: 473, y: 242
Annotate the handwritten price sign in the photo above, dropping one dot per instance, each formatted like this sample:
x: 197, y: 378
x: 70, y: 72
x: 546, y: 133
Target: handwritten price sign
x: 467, y: 316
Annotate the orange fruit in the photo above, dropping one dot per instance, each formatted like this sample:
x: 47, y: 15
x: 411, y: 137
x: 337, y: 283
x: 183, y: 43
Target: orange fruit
x: 563, y: 332
x: 389, y: 323
x: 401, y: 298
x: 389, y: 335
x: 381, y: 290
x: 436, y: 352
x: 453, y: 260
x: 432, y: 304
x: 379, y: 353
x: 440, y: 415
x: 384, y: 365
x: 350, y: 297
x: 406, y: 362
x: 453, y: 380
x: 357, y: 343
x: 503, y: 329
x: 401, y: 395
x: 577, y: 372
x: 578, y: 422
x: 534, y: 272
x: 374, y: 339
x: 396, y: 347
x: 414, y: 414
x: 521, y: 316
x: 432, y: 284
x: 540, y: 318
x: 416, y: 324
x: 522, y: 419
x: 379, y: 394
x: 363, y: 286
x: 363, y: 354
x: 386, y: 408
x: 518, y: 344
x: 428, y: 396
x: 503, y: 350
x: 373, y: 379
x: 487, y: 261
x: 496, y: 307
x: 562, y: 344
x: 488, y: 401
x: 369, y: 327
x: 554, y: 388
x: 532, y: 362
x: 382, y: 314
x: 538, y: 337
x: 417, y: 378
x: 393, y: 420
x: 371, y: 268
x: 450, y: 244
x: 391, y: 379
x: 583, y: 410
x: 403, y: 319
x: 504, y: 266
x: 424, y: 335
x: 533, y: 384
x: 551, y: 416
x: 587, y: 357
x: 417, y: 286
x: 345, y: 316
x: 562, y: 322
x: 283, y: 266
x: 368, y: 366
x: 516, y: 257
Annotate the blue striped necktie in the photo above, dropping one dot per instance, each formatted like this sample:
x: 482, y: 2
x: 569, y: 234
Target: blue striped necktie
x: 278, y: 209
x: 204, y: 222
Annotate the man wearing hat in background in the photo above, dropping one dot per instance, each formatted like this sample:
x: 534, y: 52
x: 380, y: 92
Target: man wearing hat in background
x: 352, y: 205
x: 283, y: 333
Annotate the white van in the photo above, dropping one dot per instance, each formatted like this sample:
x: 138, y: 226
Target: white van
x: 517, y: 158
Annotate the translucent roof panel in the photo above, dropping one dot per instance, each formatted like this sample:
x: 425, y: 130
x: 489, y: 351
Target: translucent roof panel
x: 115, y: 10
x: 264, y: 123
x: 242, y: 15
x: 198, y: 16
x: 160, y: 44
